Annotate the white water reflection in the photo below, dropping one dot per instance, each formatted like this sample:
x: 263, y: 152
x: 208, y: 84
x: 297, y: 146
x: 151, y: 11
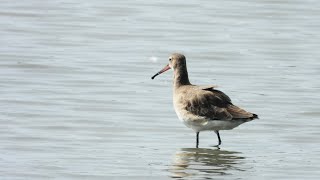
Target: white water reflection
x: 205, y: 163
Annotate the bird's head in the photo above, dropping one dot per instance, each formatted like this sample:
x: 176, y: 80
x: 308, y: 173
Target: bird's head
x: 176, y: 61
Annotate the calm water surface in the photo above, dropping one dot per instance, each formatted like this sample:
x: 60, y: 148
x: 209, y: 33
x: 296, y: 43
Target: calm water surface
x: 77, y: 101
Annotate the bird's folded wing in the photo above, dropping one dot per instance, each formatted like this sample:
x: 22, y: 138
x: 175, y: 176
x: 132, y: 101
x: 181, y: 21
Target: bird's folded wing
x: 215, y: 105
x: 210, y: 104
x: 238, y: 113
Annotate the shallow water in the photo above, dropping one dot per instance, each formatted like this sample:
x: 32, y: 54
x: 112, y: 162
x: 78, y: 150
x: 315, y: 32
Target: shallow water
x: 77, y: 100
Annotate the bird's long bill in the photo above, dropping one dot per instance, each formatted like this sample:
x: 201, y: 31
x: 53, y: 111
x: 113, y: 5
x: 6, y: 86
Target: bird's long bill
x: 166, y: 68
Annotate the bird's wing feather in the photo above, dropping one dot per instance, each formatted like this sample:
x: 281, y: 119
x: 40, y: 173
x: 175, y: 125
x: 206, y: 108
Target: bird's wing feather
x: 240, y: 114
x: 215, y: 105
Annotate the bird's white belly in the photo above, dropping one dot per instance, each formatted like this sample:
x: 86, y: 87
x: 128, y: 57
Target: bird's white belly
x: 206, y: 125
x: 212, y: 125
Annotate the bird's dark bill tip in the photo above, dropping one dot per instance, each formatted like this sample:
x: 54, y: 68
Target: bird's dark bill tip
x: 155, y: 75
x: 166, y: 68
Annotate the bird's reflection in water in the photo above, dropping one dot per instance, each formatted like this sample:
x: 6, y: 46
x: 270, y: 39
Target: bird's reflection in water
x: 204, y: 162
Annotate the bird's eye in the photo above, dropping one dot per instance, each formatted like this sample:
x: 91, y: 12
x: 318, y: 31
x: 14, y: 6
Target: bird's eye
x: 170, y: 59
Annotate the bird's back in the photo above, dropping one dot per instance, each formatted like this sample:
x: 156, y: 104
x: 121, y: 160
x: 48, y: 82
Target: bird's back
x: 209, y: 103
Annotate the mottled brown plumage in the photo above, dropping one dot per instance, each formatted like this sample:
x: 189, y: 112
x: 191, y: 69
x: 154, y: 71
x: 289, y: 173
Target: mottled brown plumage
x: 209, y: 103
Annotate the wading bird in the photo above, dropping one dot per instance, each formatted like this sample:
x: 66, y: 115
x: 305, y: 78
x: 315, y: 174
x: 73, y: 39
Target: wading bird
x: 202, y: 108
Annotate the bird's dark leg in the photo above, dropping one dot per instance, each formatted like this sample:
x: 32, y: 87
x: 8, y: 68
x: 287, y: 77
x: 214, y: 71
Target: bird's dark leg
x: 217, y: 132
x: 197, y: 139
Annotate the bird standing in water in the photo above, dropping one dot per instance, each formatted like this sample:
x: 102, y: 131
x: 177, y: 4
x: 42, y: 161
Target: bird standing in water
x: 202, y: 108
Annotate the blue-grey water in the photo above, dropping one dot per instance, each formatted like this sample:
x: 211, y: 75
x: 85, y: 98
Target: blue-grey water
x: 77, y: 101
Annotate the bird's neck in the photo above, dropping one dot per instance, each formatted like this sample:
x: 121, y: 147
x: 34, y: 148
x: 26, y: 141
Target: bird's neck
x: 180, y: 77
